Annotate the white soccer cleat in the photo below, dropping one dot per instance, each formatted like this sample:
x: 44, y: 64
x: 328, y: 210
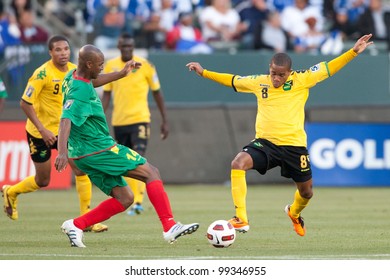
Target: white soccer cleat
x: 178, y: 230
x: 74, y: 234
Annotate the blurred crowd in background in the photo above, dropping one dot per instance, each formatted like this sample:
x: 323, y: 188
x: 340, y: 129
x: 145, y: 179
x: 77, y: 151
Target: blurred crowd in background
x: 200, y: 26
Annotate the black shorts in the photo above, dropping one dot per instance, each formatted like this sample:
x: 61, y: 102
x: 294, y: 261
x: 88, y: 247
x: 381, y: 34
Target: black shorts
x: 293, y: 161
x: 134, y: 136
x: 39, y: 152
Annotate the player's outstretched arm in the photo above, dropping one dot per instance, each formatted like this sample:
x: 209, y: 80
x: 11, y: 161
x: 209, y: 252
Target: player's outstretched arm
x: 222, y: 78
x: 362, y: 43
x: 339, y: 62
x: 106, y: 78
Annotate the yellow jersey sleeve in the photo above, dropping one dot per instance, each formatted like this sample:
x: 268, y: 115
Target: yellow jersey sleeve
x: 312, y: 76
x: 222, y: 78
x: 152, y: 77
x: 34, y: 86
x: 339, y: 62
x: 249, y: 84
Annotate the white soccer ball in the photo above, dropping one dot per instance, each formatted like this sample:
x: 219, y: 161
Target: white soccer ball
x: 221, y: 234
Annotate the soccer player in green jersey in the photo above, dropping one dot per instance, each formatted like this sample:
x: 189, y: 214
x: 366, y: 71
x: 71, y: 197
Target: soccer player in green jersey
x: 280, y: 135
x: 130, y: 112
x: 84, y: 137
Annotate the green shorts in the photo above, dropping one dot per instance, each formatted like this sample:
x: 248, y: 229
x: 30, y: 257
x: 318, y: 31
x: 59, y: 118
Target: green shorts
x: 106, y: 169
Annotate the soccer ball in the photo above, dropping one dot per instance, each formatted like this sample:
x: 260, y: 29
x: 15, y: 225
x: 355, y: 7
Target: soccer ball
x: 221, y: 234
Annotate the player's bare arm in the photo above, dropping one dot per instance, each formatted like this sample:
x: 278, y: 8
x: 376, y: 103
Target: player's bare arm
x: 48, y: 137
x: 106, y: 99
x: 63, y: 134
x: 103, y: 79
x: 159, y: 99
x: 195, y: 66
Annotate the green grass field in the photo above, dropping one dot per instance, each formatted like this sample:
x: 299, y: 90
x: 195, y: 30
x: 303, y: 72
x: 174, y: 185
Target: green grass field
x: 342, y: 223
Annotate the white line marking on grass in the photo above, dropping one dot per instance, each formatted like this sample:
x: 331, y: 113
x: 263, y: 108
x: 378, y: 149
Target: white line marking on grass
x: 132, y: 257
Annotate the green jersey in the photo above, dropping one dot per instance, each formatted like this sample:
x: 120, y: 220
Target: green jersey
x: 89, y: 133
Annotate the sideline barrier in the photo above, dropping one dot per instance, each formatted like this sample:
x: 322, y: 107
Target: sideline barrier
x: 15, y: 161
x: 204, y: 140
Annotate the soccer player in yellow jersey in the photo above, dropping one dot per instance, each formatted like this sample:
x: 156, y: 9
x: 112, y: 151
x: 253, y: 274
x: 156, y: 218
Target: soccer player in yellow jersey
x: 280, y: 135
x: 42, y: 103
x: 131, y: 114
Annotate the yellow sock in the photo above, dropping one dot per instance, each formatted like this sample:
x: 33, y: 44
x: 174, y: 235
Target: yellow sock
x: 137, y: 187
x: 84, y: 190
x: 239, y: 190
x: 25, y: 186
x: 298, y: 205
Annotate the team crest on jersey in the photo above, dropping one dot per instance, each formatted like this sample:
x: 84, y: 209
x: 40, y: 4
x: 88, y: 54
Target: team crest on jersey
x: 288, y: 85
x: 68, y: 104
x: 29, y: 91
x: 315, y: 68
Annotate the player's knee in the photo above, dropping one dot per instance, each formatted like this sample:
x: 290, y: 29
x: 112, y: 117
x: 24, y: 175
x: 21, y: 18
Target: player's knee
x: 306, y: 193
x: 154, y: 173
x: 42, y: 182
x: 242, y: 161
x: 127, y: 200
x: 237, y: 164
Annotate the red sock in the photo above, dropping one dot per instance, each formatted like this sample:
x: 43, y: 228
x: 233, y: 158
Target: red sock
x: 160, y: 201
x: 100, y: 213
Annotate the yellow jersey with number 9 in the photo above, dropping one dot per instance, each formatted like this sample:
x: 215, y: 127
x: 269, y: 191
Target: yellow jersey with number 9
x: 44, y: 93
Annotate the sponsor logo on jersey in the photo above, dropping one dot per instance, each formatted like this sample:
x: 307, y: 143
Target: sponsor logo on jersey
x: 264, y: 85
x: 56, y: 80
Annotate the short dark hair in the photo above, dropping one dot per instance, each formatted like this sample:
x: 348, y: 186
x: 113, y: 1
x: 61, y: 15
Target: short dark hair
x: 126, y: 35
x: 282, y: 59
x: 55, y: 38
